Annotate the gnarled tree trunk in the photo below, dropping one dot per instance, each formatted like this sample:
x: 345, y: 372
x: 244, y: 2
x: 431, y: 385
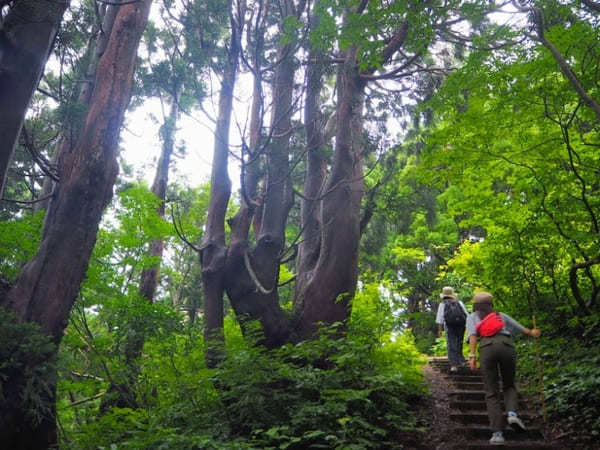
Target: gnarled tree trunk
x: 327, y: 262
x: 325, y: 293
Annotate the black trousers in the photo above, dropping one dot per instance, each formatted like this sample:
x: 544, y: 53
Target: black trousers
x: 454, y: 341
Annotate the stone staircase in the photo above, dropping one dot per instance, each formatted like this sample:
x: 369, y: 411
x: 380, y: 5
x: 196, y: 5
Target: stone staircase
x: 470, y: 426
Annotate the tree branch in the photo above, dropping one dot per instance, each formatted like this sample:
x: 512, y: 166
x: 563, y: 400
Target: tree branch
x: 179, y: 232
x: 27, y: 202
x: 538, y: 19
x: 85, y: 400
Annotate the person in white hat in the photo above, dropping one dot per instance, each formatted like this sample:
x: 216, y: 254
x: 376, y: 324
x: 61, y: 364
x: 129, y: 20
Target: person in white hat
x: 451, y: 316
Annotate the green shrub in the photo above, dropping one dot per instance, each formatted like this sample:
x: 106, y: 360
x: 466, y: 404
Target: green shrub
x: 571, y: 381
x: 355, y: 392
x: 19, y: 240
x: 27, y: 367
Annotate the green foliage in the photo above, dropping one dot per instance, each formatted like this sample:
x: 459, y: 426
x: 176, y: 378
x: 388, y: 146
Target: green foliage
x: 138, y: 217
x: 27, y: 368
x: 522, y: 188
x: 354, y: 392
x: 19, y: 240
x: 571, y: 383
x: 501, y: 193
x: 326, y: 393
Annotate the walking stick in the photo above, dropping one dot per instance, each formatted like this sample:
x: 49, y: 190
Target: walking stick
x: 540, y: 376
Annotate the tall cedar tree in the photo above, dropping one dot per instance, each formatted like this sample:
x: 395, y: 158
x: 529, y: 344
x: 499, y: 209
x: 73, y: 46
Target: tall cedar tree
x: 48, y: 285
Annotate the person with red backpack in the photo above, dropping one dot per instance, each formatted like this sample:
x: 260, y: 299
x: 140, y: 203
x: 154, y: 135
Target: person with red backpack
x: 452, y: 316
x: 494, y: 331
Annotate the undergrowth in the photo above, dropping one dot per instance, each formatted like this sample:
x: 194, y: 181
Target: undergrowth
x: 27, y: 366
x: 570, y: 373
x: 356, y: 392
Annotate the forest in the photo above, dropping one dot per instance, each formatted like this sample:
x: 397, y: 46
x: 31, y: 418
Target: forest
x: 361, y: 155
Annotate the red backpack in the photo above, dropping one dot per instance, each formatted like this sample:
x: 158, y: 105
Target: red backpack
x: 490, y: 325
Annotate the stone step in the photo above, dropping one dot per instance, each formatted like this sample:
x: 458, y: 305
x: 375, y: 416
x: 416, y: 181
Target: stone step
x: 465, y: 378
x: 468, y: 405
x: 461, y: 370
x: 480, y: 417
x: 443, y: 365
x: 468, y: 411
x: 479, y: 406
x: 470, y: 386
x: 470, y: 417
x: 440, y: 362
x: 475, y: 431
x: 519, y: 445
x: 467, y: 396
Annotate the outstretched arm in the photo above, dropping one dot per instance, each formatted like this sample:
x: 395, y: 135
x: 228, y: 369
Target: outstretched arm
x: 533, y: 332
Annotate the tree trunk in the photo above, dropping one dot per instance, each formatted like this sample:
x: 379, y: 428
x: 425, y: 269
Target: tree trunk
x: 26, y: 36
x: 254, y: 272
x: 241, y: 222
x: 316, y: 170
x: 50, y: 281
x: 149, y: 278
x: 68, y: 137
x: 324, y: 295
x: 250, y: 276
x: 327, y: 265
x: 213, y: 252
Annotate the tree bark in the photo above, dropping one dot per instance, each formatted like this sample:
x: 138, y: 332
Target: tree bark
x: 68, y: 136
x: 26, y: 37
x: 149, y: 277
x: 325, y: 295
x: 254, y: 272
x: 213, y: 252
x: 316, y: 169
x: 327, y: 265
x: 50, y: 281
x: 250, y: 175
x: 585, y: 306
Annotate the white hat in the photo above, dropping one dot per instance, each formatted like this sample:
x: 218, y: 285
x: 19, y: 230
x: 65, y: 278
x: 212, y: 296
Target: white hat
x: 447, y: 291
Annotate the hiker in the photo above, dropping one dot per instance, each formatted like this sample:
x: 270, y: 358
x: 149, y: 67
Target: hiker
x: 495, y: 331
x: 452, y: 315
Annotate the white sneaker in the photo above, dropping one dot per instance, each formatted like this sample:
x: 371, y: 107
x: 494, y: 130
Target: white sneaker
x: 497, y: 438
x: 516, y: 423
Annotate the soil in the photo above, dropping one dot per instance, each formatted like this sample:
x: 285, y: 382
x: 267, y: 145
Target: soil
x: 440, y: 436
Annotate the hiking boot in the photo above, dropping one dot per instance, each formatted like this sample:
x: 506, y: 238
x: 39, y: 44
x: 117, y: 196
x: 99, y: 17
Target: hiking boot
x: 516, y: 423
x: 497, y: 438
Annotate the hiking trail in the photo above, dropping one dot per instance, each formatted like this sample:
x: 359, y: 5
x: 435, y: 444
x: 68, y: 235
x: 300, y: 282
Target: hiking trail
x: 461, y: 418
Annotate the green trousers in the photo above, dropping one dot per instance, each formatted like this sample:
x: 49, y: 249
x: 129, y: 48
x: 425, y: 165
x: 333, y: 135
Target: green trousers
x: 498, y: 359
